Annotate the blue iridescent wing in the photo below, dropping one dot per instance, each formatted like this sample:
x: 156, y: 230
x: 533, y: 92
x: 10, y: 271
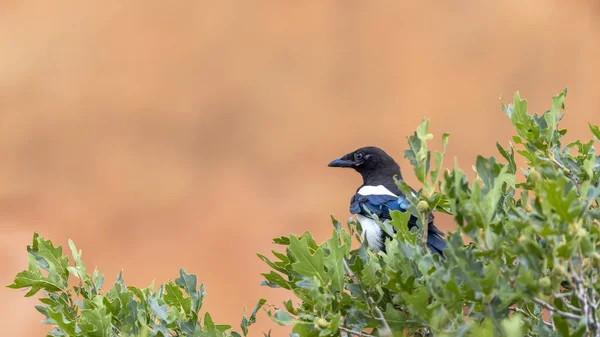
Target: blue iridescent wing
x: 381, y: 205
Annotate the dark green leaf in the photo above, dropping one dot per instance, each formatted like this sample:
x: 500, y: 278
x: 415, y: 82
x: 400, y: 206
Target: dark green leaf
x: 246, y: 322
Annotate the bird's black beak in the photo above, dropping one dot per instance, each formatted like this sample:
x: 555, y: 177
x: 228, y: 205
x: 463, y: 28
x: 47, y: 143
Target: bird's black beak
x: 342, y: 163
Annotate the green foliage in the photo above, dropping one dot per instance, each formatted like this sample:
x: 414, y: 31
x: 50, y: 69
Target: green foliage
x: 530, y: 267
x: 85, y: 310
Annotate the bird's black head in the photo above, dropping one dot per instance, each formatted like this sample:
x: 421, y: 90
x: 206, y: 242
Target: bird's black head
x: 371, y: 162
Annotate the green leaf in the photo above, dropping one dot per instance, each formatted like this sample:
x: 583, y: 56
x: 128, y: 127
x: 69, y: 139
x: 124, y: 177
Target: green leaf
x: 417, y: 153
x: 79, y: 269
x: 419, y: 302
x: 246, y: 322
x: 396, y: 319
x: 595, y: 131
x: 304, y: 330
x: 275, y: 280
x: 552, y: 117
x: 189, y: 283
x: 175, y: 298
x: 158, y: 309
x: 334, y: 261
x: 510, y: 157
x: 512, y: 326
x: 438, y: 158
x: 560, y: 195
x: 400, y: 223
x: 562, y: 326
x: 282, y: 318
x: 485, y: 328
x: 53, y: 255
x: 32, y: 277
x: 209, y: 325
x: 96, y: 322
x: 308, y: 263
x: 65, y: 323
x: 369, y: 276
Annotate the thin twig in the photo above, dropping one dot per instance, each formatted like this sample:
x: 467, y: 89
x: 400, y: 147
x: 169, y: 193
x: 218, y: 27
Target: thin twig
x: 555, y: 310
x: 350, y: 272
x: 570, y: 306
x: 587, y: 305
x: 558, y: 164
x: 563, y: 295
x: 355, y: 333
x: 387, y: 331
x: 523, y: 312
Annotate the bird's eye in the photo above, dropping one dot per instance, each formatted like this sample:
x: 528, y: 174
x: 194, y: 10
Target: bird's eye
x: 358, y: 156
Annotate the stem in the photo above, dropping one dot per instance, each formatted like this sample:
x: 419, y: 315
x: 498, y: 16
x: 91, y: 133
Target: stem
x: 523, y: 312
x: 588, y: 308
x: 570, y: 306
x: 555, y: 310
x: 425, y: 224
x: 563, y: 295
x: 386, y: 328
x: 558, y: 164
x: 355, y: 333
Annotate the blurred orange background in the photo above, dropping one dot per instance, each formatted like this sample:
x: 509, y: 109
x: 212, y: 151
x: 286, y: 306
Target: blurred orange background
x: 160, y: 135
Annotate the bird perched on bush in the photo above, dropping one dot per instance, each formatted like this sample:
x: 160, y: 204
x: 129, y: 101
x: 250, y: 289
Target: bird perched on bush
x: 380, y: 195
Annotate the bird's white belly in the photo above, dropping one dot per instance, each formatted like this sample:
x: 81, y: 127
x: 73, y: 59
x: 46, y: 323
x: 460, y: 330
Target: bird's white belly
x: 371, y: 231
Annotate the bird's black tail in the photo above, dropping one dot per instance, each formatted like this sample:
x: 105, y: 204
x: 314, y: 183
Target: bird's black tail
x: 436, y: 242
x: 435, y: 238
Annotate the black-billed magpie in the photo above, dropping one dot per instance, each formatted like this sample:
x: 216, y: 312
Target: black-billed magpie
x: 380, y: 195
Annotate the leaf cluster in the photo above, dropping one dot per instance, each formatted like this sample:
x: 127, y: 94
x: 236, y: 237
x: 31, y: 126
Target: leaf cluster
x: 530, y: 266
x: 84, y: 309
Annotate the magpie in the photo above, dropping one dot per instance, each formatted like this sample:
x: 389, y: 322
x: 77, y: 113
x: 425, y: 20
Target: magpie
x: 380, y: 195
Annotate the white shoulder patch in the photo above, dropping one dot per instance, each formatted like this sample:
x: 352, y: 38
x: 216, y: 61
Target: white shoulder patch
x: 375, y: 190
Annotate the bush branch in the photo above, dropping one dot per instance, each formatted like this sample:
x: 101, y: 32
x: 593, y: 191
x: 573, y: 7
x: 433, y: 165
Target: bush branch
x: 387, y: 331
x: 555, y: 310
x: 528, y: 314
x: 354, y: 333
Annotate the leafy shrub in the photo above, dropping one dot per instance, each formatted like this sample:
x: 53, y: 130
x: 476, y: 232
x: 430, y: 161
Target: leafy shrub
x: 84, y: 310
x: 530, y: 266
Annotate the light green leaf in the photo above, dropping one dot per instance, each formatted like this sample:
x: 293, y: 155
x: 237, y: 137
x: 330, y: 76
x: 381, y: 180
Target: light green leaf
x: 175, y: 298
x: 96, y: 322
x: 79, y: 269
x: 400, y: 223
x: 334, y: 261
x: 595, y: 131
x: 551, y: 117
x: 65, y: 324
x: 161, y: 311
x: 419, y: 303
x: 308, y: 263
x: 53, y: 255
x: 369, y: 275
x: 282, y: 318
x: 396, y: 319
x: 560, y: 195
x: 32, y: 277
